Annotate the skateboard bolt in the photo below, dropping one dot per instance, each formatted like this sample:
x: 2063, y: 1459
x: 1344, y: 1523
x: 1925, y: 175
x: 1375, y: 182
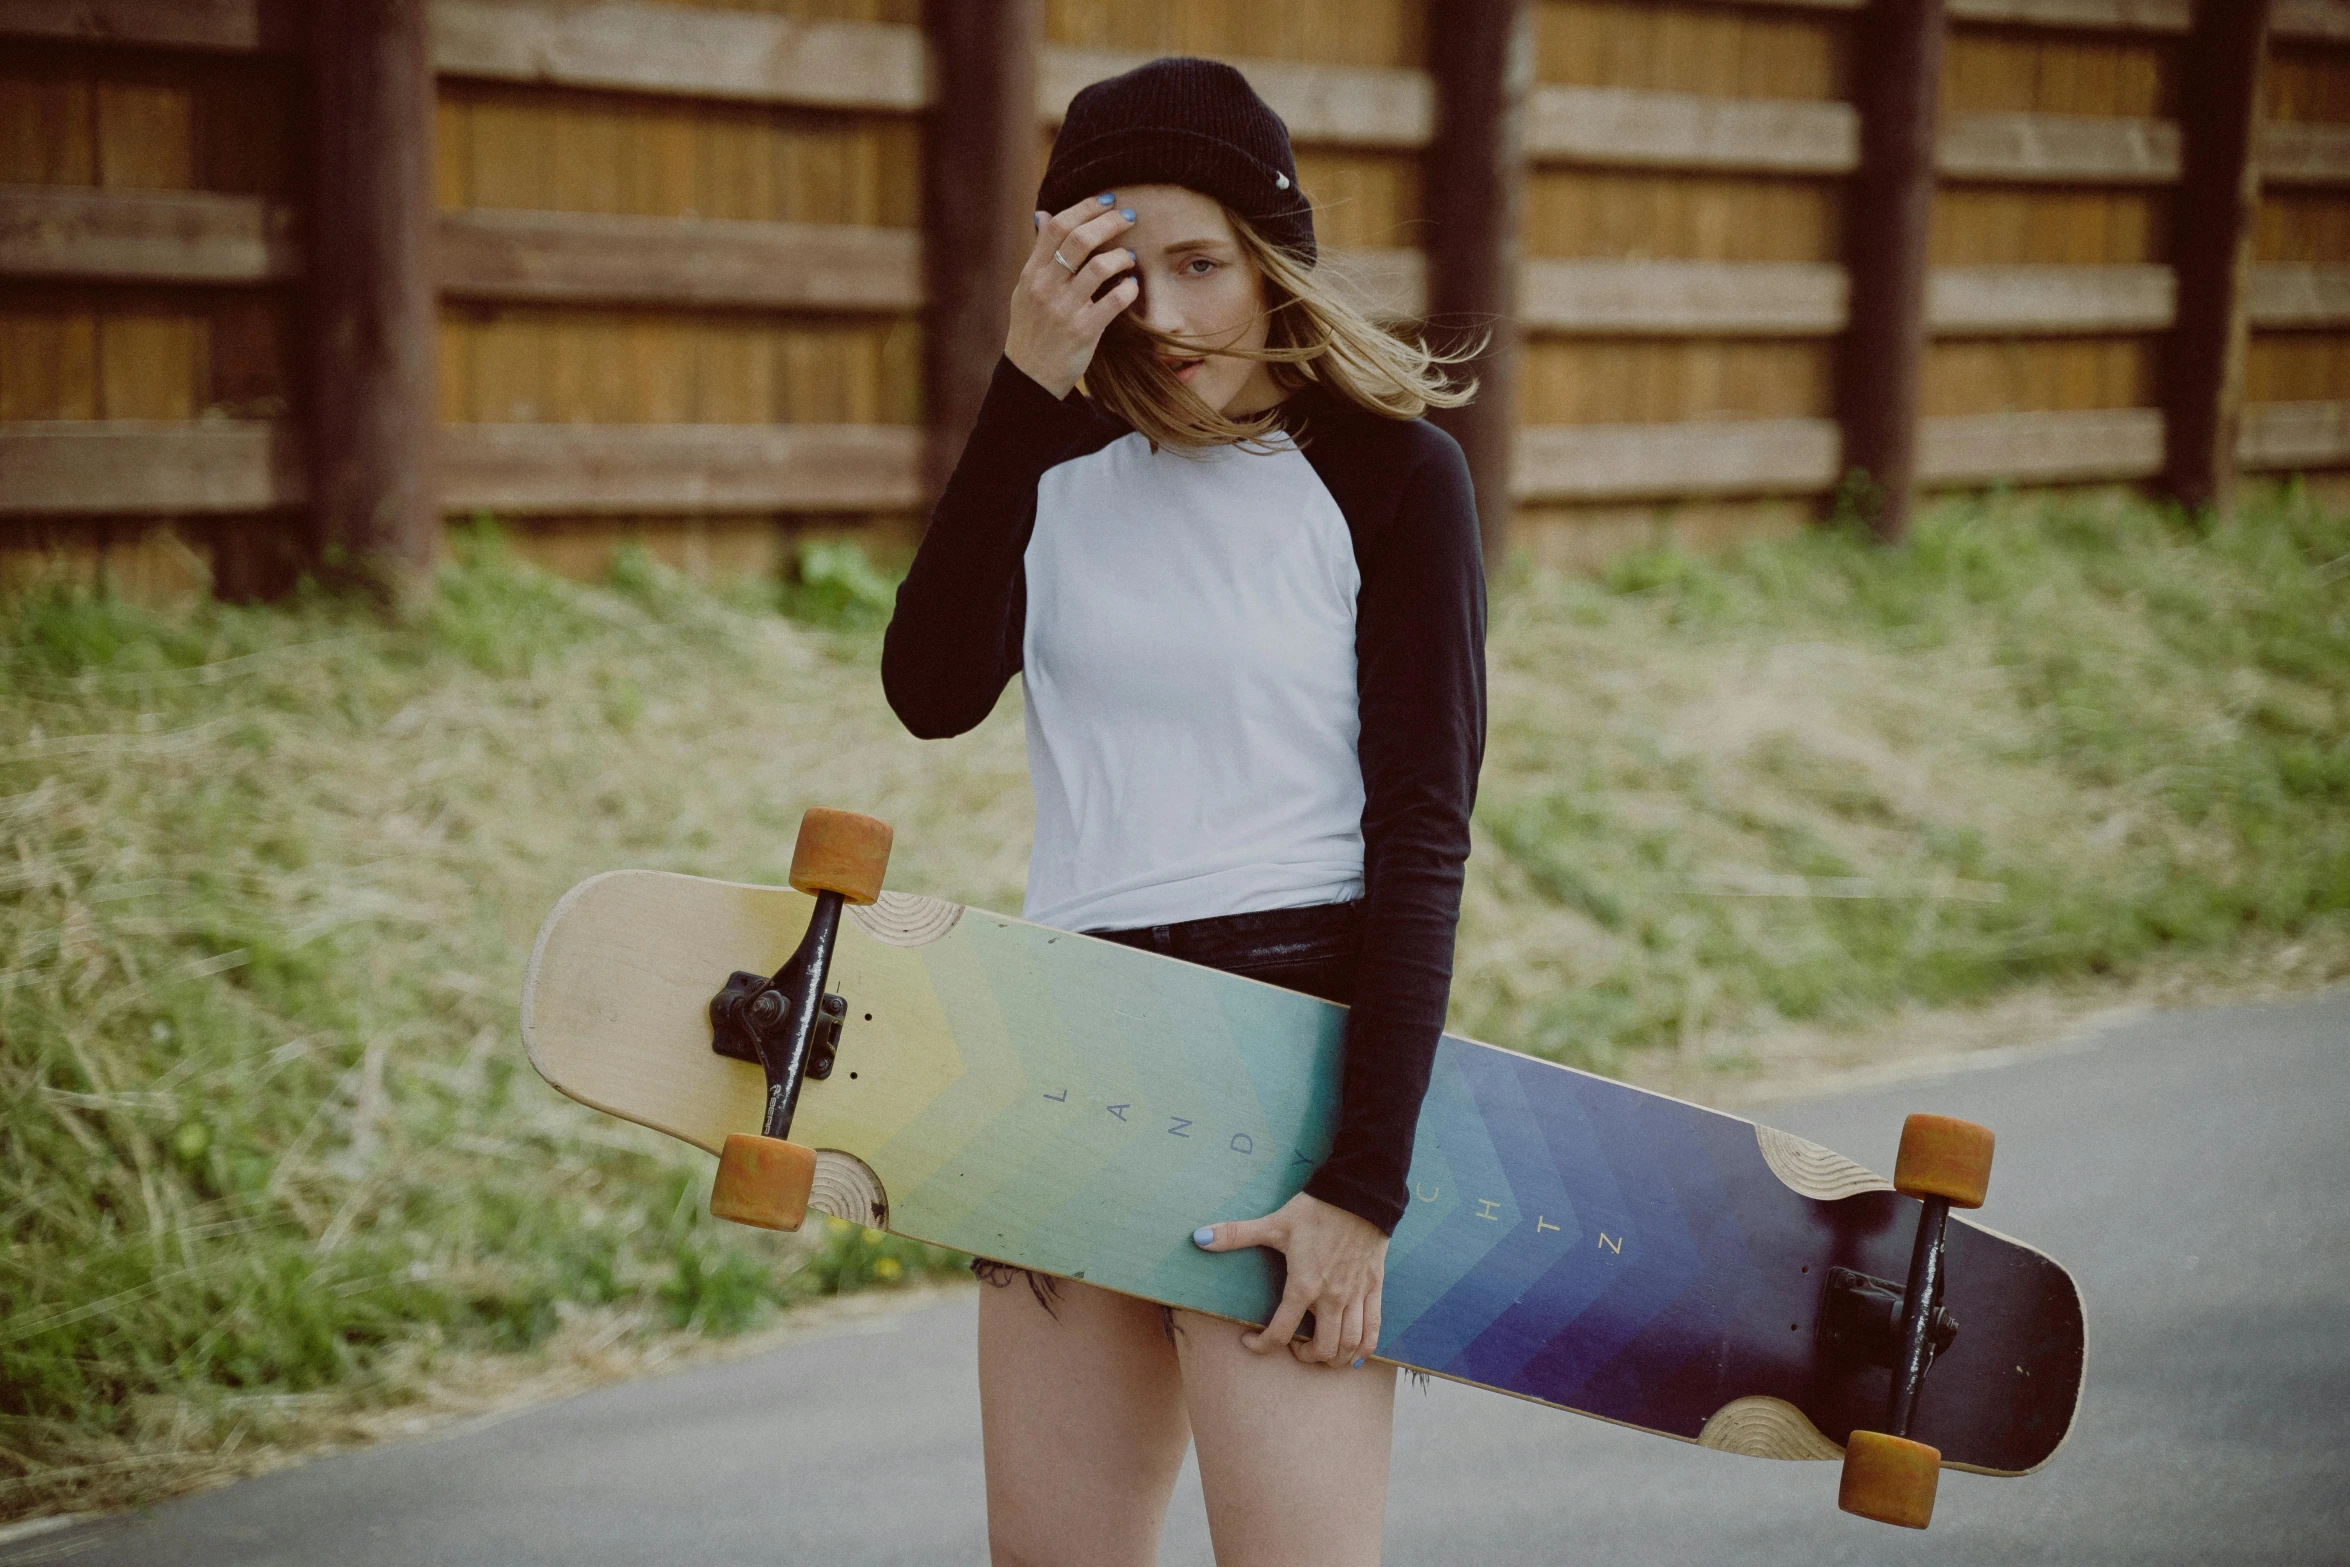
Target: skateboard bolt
x: 767, y: 1009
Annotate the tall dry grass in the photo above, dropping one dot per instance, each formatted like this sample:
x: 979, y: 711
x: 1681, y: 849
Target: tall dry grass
x: 269, y: 1141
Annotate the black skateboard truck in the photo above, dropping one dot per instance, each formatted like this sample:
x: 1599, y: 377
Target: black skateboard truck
x: 1945, y: 1163
x: 789, y: 1026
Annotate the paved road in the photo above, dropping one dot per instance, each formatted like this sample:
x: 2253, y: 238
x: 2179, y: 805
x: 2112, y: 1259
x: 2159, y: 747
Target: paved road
x: 2192, y: 1170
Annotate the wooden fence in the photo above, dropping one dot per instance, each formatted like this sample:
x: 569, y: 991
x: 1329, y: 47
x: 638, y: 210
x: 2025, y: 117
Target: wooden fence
x: 710, y: 274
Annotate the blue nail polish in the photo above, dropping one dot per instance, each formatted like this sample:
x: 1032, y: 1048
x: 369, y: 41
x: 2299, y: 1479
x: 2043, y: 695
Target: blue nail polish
x: 1131, y: 256
x: 1127, y: 213
x: 1358, y: 1363
x: 1106, y: 197
x: 1205, y: 1235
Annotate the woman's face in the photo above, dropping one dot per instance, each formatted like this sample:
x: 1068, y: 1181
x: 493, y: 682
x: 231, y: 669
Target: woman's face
x: 1198, y: 284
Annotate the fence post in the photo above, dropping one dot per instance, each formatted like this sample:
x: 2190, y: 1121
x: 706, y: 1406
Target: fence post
x: 979, y: 171
x: 2217, y: 202
x: 1481, y: 53
x: 1888, y: 210
x: 370, y: 382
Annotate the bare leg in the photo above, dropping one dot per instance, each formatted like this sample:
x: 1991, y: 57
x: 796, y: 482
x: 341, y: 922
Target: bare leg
x: 1081, y: 1414
x: 1293, y: 1457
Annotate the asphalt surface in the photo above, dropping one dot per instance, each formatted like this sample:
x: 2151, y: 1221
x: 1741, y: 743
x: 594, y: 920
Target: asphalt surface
x: 2192, y: 1170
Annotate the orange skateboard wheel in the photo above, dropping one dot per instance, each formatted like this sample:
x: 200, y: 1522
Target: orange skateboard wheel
x: 1890, y: 1479
x: 1942, y: 1156
x: 840, y: 851
x: 763, y: 1181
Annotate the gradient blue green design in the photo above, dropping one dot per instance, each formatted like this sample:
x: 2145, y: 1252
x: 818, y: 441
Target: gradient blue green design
x: 1569, y: 1239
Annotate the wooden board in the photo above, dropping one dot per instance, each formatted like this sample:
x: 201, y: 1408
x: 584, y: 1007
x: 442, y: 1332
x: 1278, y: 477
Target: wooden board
x: 2299, y: 297
x: 101, y: 467
x: 2142, y: 16
x: 1727, y: 298
x: 1642, y: 128
x: 2285, y: 436
x: 227, y: 25
x: 2040, y: 448
x: 1079, y: 1107
x: 570, y: 468
x: 52, y: 231
x: 1609, y: 462
x: 704, y: 52
x: 2304, y: 154
x: 2310, y: 20
x: 222, y: 466
x: 624, y: 259
x: 2064, y: 149
x: 1352, y: 105
x: 78, y: 233
x: 2047, y: 299
x: 1691, y: 457
x: 1378, y: 34
x: 181, y: 467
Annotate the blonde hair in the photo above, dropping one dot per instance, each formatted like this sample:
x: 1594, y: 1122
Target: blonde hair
x: 1314, y: 337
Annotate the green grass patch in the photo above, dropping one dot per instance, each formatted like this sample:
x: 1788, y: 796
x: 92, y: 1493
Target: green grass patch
x: 267, y: 1134
x: 1815, y: 780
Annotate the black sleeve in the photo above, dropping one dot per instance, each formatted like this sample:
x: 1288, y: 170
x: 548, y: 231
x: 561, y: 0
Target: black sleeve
x: 954, y: 637
x: 1420, y: 681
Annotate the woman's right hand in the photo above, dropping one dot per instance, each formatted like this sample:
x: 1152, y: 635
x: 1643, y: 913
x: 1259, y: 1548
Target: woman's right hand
x: 1056, y: 321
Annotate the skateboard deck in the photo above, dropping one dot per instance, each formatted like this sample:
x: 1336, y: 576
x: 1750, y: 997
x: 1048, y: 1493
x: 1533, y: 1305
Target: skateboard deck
x: 1079, y: 1107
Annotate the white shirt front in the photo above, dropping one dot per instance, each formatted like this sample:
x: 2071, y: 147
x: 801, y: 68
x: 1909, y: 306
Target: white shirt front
x: 1188, y: 660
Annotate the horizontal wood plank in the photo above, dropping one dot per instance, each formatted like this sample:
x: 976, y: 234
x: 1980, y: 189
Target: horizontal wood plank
x: 125, y: 467
x: 1614, y: 462
x: 2060, y: 148
x: 2298, y: 297
x: 228, y: 466
x: 59, y: 232
x: 2310, y: 20
x: 2041, y: 447
x: 221, y: 25
x: 1728, y: 299
x: 584, y: 469
x: 684, y: 50
x: 1683, y: 298
x: 2280, y: 436
x: 95, y: 468
x: 595, y: 259
x: 67, y: 231
x: 2035, y: 300
x: 1802, y: 456
x: 2298, y: 153
x: 2130, y: 16
x: 1348, y: 105
x: 1637, y: 128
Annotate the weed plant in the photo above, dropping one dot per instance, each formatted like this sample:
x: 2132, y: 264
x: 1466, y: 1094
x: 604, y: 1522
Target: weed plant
x: 268, y: 1141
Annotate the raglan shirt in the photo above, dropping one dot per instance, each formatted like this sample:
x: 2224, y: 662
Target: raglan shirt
x: 1044, y: 502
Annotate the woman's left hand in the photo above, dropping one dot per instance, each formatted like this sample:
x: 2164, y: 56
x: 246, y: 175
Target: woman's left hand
x: 1337, y: 1265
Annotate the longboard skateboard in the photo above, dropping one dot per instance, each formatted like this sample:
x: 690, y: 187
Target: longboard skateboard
x: 1079, y: 1107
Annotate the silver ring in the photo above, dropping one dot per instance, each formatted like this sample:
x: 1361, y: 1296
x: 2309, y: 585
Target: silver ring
x: 1064, y: 261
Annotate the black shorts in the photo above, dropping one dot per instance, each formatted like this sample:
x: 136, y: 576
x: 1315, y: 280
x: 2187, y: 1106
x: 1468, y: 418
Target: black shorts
x: 1311, y: 949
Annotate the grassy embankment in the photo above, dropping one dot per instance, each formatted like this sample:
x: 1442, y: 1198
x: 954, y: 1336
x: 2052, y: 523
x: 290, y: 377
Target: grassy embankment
x: 268, y: 1145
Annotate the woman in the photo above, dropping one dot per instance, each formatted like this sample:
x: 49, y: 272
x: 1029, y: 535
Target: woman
x: 1241, y: 586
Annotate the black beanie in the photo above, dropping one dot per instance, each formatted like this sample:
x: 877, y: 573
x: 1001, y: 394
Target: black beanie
x: 1189, y: 122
